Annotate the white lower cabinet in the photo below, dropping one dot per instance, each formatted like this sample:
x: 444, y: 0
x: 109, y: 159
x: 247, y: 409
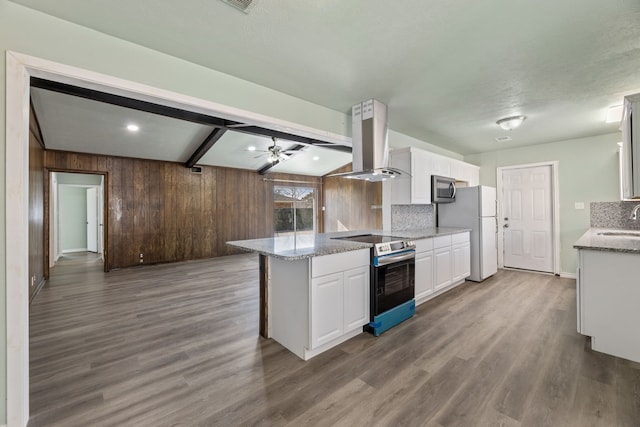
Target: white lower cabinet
x: 442, y: 262
x: 317, y: 303
x: 339, y: 304
x: 424, y: 275
x: 608, y: 301
x: 326, y: 308
x: 356, y: 298
x: 461, y: 256
x: 443, y: 277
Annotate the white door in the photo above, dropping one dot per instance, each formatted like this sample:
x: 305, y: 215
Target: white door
x: 92, y: 220
x: 527, y: 218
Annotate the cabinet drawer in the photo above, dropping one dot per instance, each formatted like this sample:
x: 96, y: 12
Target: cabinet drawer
x: 460, y: 238
x: 334, y: 263
x: 424, y: 245
x: 441, y: 241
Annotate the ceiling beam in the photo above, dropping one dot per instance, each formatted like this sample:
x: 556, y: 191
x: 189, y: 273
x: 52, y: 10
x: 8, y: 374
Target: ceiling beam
x: 256, y: 130
x: 135, y: 104
x: 179, y: 114
x: 205, y: 146
x: 263, y: 170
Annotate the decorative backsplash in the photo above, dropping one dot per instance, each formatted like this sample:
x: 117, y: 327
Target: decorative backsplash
x: 412, y: 217
x: 614, y: 215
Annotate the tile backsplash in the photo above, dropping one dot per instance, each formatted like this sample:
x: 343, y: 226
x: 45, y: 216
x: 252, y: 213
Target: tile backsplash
x: 614, y: 215
x: 412, y: 217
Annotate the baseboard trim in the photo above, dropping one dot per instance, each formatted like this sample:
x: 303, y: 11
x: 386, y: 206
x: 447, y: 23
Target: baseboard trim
x: 565, y: 275
x: 72, y: 251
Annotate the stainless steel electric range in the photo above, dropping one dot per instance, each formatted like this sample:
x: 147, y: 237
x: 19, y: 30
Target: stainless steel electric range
x: 392, y: 280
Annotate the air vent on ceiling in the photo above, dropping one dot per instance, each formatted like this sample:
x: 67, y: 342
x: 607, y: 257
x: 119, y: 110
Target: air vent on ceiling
x: 243, y: 5
x: 503, y: 138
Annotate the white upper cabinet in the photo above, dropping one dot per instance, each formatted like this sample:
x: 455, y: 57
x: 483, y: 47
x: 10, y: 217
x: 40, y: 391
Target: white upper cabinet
x: 421, y: 164
x: 630, y: 151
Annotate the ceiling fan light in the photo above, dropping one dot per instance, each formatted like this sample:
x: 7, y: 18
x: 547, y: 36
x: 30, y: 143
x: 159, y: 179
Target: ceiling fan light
x: 509, y: 123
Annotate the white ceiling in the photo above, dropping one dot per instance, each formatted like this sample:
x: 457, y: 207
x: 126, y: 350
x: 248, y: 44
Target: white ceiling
x: 448, y: 69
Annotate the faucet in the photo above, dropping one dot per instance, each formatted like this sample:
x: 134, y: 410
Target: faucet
x: 634, y: 213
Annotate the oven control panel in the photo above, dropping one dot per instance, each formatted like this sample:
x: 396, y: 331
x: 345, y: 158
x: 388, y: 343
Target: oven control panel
x: 393, y: 247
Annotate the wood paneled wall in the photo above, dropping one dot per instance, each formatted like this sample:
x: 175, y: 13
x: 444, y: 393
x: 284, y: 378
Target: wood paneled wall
x: 36, y: 211
x: 167, y: 213
x: 351, y: 204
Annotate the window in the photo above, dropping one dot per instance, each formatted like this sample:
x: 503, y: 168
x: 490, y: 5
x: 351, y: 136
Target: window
x: 294, y: 210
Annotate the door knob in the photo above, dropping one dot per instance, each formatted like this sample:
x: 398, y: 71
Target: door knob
x: 506, y: 226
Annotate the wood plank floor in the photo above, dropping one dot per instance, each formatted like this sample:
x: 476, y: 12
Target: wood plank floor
x: 178, y: 345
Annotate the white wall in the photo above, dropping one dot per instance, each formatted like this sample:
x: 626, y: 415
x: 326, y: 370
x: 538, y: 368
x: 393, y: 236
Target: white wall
x: 588, y: 172
x: 72, y: 205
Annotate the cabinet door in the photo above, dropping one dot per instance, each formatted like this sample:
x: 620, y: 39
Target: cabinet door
x: 474, y: 175
x: 461, y: 261
x: 356, y: 298
x: 459, y: 171
x: 442, y: 262
x: 420, y: 178
x: 326, y: 308
x: 440, y: 165
x: 424, y: 274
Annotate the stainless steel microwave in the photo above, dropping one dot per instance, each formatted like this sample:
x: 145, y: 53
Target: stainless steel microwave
x: 443, y: 189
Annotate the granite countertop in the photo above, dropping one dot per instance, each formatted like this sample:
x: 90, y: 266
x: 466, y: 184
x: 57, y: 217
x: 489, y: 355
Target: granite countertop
x: 304, y: 246
x: 594, y: 239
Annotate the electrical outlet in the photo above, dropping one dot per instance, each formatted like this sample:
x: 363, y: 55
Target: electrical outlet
x: 141, y: 256
x: 579, y: 205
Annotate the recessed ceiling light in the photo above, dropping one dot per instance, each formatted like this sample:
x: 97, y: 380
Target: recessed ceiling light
x: 316, y: 158
x: 133, y: 128
x: 251, y: 148
x: 614, y: 114
x: 509, y: 123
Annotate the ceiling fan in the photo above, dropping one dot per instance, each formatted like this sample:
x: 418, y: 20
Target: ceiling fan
x: 276, y: 153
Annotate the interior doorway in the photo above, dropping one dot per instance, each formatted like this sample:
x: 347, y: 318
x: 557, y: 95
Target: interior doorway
x: 529, y: 233
x: 75, y: 221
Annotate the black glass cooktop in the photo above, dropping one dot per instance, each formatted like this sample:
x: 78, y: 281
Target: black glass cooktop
x: 371, y: 238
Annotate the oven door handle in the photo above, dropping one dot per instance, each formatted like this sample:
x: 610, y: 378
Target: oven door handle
x: 396, y: 258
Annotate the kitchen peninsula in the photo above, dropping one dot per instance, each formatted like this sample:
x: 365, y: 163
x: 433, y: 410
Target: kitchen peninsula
x: 315, y: 288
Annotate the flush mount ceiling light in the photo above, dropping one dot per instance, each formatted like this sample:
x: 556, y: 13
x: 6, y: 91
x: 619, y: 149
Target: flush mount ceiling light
x: 509, y: 123
x: 251, y: 148
x: 614, y: 114
x: 133, y: 128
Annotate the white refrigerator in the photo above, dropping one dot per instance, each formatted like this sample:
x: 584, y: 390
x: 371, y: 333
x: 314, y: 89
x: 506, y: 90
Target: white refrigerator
x: 475, y: 208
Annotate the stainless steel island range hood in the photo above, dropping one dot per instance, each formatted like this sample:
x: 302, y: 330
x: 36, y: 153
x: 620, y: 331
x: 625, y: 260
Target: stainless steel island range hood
x: 370, y: 145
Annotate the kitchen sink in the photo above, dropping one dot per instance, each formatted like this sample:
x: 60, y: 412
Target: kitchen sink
x: 620, y: 233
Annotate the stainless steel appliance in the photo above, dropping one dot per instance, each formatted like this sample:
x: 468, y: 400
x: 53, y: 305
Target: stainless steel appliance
x: 475, y: 208
x: 369, y: 143
x: 443, y: 189
x: 392, y: 280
